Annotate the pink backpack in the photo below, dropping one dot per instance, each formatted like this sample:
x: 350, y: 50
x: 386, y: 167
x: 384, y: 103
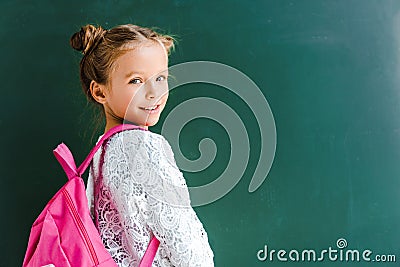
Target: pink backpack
x: 64, y: 234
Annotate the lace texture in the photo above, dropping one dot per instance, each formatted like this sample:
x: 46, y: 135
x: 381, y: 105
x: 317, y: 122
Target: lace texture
x: 140, y: 192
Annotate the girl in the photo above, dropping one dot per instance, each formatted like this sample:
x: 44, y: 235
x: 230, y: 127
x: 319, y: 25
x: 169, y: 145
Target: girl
x: 140, y: 191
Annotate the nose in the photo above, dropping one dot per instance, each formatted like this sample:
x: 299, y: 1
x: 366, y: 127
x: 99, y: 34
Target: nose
x: 154, y: 90
x: 150, y: 90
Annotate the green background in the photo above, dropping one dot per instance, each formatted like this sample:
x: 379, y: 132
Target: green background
x: 330, y: 73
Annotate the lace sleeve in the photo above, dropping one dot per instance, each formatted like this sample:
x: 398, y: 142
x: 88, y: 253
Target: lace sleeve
x: 168, y: 213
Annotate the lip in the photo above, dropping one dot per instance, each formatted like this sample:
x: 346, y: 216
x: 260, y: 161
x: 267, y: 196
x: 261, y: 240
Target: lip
x: 152, y: 111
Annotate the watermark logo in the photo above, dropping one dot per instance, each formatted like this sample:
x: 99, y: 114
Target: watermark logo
x: 340, y: 253
x: 341, y: 243
x: 221, y: 112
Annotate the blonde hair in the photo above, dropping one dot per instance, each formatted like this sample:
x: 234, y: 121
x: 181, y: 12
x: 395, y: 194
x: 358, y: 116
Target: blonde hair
x: 101, y: 48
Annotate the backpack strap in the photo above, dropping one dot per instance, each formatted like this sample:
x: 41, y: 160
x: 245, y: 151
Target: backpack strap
x: 150, y: 253
x: 66, y: 159
x: 108, y: 134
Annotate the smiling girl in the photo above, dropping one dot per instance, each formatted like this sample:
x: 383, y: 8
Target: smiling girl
x: 140, y: 192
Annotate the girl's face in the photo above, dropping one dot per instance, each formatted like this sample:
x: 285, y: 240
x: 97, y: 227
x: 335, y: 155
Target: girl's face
x: 138, y: 89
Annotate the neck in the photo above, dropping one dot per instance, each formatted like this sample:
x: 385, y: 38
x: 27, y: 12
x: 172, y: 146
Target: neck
x: 111, y: 124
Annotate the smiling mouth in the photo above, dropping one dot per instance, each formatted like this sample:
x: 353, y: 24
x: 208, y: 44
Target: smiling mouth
x: 151, y: 109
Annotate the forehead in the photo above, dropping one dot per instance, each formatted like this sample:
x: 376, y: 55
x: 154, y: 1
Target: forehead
x: 148, y: 59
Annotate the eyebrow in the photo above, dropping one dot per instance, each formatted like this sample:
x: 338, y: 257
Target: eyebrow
x: 129, y: 74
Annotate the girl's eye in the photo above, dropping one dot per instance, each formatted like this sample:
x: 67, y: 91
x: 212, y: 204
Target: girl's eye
x: 161, y: 78
x: 135, y: 81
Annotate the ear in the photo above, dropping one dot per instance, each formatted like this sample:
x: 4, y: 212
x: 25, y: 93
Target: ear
x: 98, y: 92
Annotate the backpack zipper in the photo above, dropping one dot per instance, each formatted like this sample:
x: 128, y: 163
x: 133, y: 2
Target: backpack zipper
x: 81, y: 227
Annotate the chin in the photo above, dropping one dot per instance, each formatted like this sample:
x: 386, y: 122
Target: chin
x: 151, y: 122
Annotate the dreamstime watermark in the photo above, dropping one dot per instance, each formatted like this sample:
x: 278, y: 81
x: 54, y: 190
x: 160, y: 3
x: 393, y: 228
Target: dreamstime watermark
x: 340, y: 253
x: 221, y: 112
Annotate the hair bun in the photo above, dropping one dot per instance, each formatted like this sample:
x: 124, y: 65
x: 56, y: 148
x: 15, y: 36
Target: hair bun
x: 87, y: 38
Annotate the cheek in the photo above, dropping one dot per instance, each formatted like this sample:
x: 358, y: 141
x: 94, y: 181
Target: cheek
x: 130, y: 98
x: 165, y: 95
x: 121, y: 103
x: 124, y: 102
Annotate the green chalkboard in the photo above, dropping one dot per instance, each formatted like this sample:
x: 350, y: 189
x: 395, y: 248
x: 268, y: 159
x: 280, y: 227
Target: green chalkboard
x: 324, y: 76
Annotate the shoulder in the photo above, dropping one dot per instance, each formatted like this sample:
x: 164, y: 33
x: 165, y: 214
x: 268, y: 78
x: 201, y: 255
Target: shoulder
x: 138, y: 136
x: 149, y: 146
x: 151, y: 162
x: 138, y: 140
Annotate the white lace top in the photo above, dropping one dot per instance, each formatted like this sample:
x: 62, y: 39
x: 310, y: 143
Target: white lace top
x: 142, y: 192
